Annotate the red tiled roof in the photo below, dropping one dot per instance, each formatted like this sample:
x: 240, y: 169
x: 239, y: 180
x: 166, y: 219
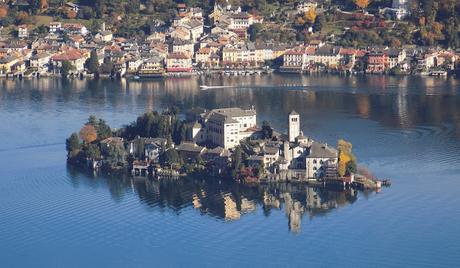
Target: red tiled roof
x: 294, y: 52
x: 347, y: 51
x: 310, y: 50
x: 360, y: 53
x: 68, y: 55
x: 204, y: 50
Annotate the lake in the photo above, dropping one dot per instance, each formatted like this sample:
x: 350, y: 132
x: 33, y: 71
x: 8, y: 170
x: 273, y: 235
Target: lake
x: 403, y: 128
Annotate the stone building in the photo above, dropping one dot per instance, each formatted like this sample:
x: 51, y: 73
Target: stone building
x: 294, y: 126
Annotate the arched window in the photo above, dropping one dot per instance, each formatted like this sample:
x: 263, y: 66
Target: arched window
x: 314, y: 168
x: 314, y: 161
x: 321, y: 162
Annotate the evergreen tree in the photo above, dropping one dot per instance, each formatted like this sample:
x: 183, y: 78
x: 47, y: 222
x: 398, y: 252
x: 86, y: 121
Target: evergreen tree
x: 66, y: 68
x: 72, y: 143
x: 93, y: 63
x: 103, y: 130
x: 267, y: 130
x: 237, y: 158
x: 93, y: 152
x: 92, y: 120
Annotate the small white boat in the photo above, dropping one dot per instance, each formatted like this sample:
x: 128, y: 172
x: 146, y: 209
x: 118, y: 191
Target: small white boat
x: 205, y: 87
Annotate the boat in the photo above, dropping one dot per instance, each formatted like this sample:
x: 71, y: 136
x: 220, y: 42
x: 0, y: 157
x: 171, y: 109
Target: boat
x: 205, y: 87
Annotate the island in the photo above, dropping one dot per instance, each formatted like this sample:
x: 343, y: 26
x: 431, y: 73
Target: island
x: 225, y: 143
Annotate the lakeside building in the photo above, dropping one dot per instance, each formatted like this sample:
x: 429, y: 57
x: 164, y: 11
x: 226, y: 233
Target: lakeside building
x: 185, y: 47
x: 226, y: 127
x: 74, y: 56
x: 291, y: 155
x: 178, y: 62
x: 294, y: 126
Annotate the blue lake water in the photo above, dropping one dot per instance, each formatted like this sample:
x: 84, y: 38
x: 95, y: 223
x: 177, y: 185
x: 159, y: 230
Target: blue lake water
x: 403, y: 128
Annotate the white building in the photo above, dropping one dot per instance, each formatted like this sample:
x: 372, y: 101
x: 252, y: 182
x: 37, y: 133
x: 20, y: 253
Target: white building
x: 401, y: 8
x: 294, y: 126
x: 40, y: 61
x: 320, y: 156
x: 55, y: 26
x: 227, y: 126
x: 304, y: 155
x: 240, y: 21
x: 23, y: 31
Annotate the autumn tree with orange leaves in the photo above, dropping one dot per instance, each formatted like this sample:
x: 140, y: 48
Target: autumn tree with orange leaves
x: 362, y: 3
x: 347, y: 160
x: 88, y: 133
x: 310, y: 15
x: 3, y: 11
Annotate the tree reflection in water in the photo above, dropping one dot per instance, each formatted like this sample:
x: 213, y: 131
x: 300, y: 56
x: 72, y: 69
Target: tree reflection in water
x: 224, y: 200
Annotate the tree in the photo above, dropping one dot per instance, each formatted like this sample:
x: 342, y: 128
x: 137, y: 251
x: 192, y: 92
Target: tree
x: 107, y: 67
x: 93, y: 152
x: 3, y: 12
x: 237, y: 158
x: 92, y: 120
x: 72, y: 144
x: 86, y: 13
x: 117, y: 153
x: 452, y: 37
x: 34, y: 6
x: 22, y: 18
x: 169, y: 142
x: 259, y: 170
x: 347, y: 161
x: 267, y: 130
x: 171, y: 156
x: 310, y: 15
x: 42, y: 29
x: 66, y: 68
x: 254, y: 30
x: 319, y: 23
x: 93, y: 62
x: 103, y: 130
x: 88, y: 133
x: 362, y: 3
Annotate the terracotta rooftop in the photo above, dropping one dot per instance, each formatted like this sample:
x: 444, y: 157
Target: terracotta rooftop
x: 68, y: 55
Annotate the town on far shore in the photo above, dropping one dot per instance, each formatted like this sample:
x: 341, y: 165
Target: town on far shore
x: 307, y: 36
x: 221, y: 143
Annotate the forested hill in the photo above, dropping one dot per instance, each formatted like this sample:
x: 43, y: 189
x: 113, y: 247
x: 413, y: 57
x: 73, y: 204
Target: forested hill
x: 430, y: 22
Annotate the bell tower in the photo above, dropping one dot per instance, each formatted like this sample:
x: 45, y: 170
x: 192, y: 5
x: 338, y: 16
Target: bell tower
x: 294, y: 126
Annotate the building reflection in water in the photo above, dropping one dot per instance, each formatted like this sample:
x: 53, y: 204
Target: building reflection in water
x: 223, y: 200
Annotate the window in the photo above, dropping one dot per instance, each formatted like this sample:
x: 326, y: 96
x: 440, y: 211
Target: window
x: 314, y: 161
x: 314, y: 168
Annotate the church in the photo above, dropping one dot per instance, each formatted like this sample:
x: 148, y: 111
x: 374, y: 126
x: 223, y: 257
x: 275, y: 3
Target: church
x: 304, y: 155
